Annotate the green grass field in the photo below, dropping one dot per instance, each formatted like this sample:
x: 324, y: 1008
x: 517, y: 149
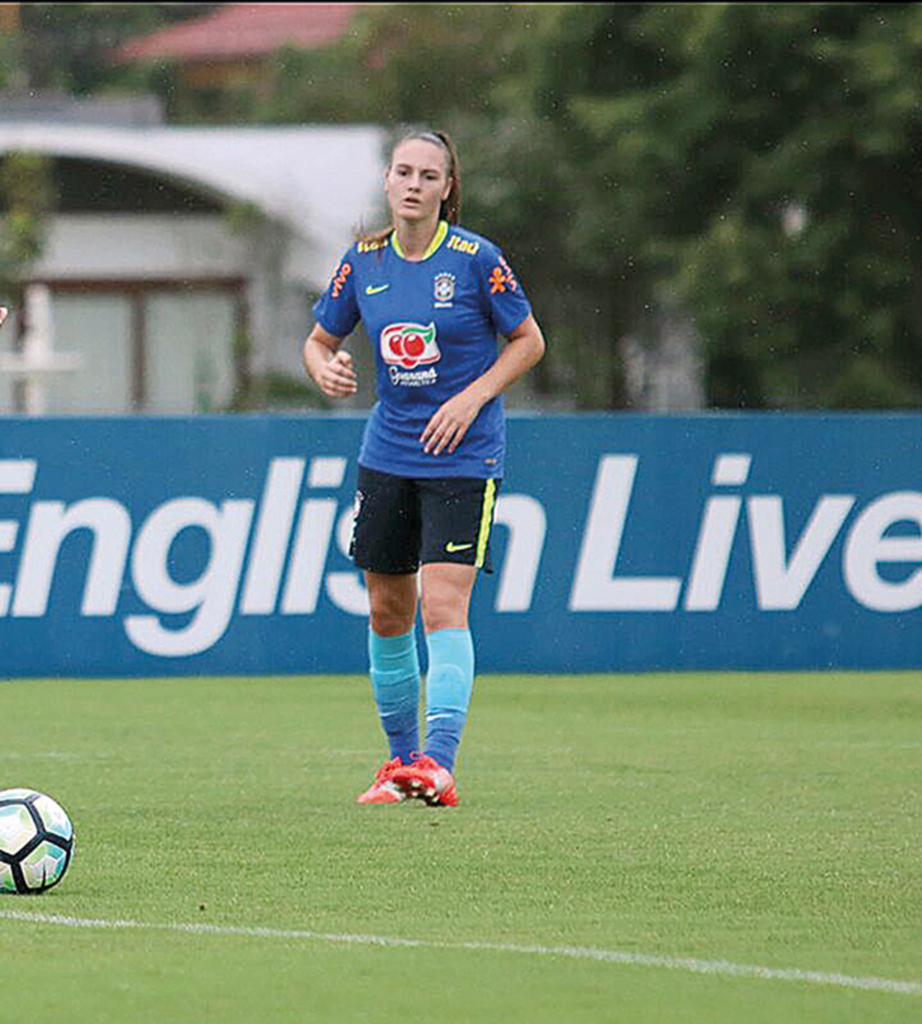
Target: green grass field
x: 700, y: 849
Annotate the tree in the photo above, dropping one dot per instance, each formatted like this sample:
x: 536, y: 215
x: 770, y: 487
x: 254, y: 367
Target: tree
x: 399, y: 63
x: 749, y: 167
x: 775, y: 164
x: 752, y: 169
x: 549, y: 195
x: 67, y: 47
x: 26, y: 200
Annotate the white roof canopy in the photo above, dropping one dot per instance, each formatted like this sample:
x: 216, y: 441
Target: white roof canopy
x: 322, y: 182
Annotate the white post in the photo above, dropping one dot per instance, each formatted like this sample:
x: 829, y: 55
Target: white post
x: 38, y: 357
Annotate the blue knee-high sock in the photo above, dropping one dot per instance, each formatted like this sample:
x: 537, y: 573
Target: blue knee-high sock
x: 449, y: 684
x: 394, y: 664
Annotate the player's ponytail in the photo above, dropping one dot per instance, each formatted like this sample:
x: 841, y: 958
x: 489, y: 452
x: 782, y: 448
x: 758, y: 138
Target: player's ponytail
x: 450, y: 209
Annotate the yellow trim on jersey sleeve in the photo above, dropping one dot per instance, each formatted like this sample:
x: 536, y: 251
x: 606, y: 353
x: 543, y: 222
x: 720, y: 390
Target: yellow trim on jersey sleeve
x: 486, y: 520
x: 441, y: 233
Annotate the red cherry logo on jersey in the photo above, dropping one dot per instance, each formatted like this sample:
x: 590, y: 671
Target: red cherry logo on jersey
x: 409, y: 345
x: 414, y: 345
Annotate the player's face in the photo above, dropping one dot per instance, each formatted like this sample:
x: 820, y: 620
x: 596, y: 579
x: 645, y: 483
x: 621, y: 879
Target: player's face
x: 417, y: 180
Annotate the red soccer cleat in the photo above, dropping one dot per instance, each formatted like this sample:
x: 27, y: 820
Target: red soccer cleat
x: 425, y: 779
x: 383, y: 790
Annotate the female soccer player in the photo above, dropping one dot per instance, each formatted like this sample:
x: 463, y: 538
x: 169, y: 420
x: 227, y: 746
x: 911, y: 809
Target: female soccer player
x: 433, y: 298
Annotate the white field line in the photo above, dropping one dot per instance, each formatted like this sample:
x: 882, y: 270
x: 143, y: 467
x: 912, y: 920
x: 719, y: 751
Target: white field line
x: 724, y: 968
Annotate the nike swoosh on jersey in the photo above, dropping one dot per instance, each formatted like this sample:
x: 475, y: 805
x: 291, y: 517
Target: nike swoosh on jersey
x: 451, y: 547
x: 374, y: 289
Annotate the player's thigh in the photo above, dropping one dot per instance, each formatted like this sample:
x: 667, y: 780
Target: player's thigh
x: 457, y: 520
x: 386, y: 525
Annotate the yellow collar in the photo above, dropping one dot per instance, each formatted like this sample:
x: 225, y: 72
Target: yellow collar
x: 441, y: 232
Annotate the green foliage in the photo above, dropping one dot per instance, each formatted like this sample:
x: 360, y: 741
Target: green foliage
x: 26, y: 200
x: 399, y: 63
x: 11, y: 72
x: 752, y: 169
x: 68, y: 47
x: 433, y: 58
x: 768, y: 114
x: 311, y: 86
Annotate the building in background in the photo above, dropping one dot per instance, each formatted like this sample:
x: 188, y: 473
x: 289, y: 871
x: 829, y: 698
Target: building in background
x: 231, y: 48
x: 182, y: 262
x: 238, y: 35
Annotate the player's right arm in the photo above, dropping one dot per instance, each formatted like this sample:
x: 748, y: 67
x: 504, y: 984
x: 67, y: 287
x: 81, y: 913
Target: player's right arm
x: 327, y: 365
x: 338, y: 309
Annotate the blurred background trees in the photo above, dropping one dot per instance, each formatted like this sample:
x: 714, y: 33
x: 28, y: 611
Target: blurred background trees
x: 26, y: 199
x: 748, y: 171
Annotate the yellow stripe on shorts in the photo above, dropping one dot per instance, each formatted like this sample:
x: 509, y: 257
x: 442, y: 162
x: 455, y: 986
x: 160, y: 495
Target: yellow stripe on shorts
x: 486, y: 519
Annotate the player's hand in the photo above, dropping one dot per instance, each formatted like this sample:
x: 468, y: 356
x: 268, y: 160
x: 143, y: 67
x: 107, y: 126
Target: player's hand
x: 449, y: 423
x: 4, y: 313
x: 337, y: 378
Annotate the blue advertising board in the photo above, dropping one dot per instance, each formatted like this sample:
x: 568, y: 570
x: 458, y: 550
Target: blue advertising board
x: 218, y: 545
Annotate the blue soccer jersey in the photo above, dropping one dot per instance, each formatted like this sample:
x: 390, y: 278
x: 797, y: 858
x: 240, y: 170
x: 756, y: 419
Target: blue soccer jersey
x: 434, y: 327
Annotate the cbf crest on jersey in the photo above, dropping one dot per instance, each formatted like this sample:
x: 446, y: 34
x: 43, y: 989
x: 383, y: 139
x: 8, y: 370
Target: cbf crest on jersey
x: 444, y: 290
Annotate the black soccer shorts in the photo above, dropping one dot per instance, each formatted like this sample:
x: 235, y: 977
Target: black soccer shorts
x: 401, y: 523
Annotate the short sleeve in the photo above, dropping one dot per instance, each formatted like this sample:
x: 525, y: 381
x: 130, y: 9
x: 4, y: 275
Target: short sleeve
x: 507, y: 302
x: 337, y: 310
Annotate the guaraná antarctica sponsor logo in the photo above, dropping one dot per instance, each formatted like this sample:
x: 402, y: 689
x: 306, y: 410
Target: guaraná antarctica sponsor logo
x: 407, y: 346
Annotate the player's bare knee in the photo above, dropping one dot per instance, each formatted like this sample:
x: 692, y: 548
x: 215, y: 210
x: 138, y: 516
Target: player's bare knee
x: 390, y: 612
x: 391, y: 618
x: 443, y: 611
x: 392, y: 602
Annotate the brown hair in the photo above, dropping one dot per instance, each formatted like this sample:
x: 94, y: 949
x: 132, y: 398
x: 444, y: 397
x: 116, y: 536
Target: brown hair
x: 450, y: 208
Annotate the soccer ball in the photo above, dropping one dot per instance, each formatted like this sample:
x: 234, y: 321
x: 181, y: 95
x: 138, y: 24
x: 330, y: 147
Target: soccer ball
x: 36, y: 841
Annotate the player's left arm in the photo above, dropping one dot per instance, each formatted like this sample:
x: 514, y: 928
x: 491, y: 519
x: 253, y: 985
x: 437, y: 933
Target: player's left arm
x: 450, y: 422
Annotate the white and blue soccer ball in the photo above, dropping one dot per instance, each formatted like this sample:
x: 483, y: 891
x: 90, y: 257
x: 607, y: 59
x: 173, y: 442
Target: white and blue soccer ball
x: 36, y: 841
